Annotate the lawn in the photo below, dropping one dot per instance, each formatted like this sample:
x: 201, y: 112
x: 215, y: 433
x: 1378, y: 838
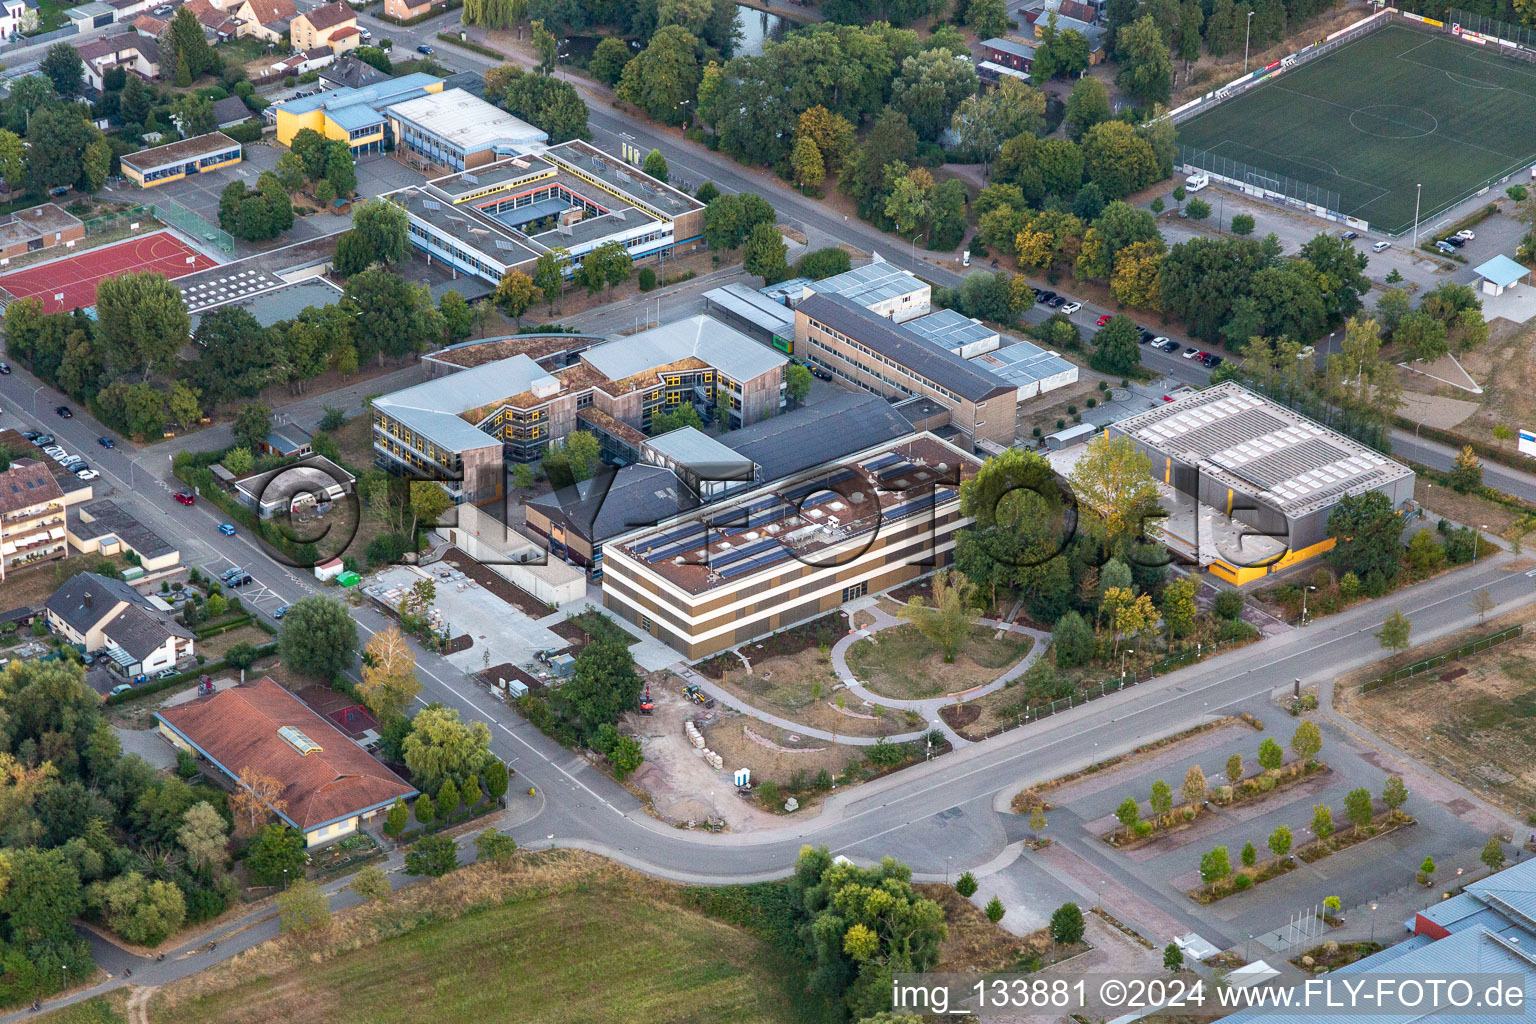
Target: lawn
x: 1372, y: 120
x: 903, y: 664
x: 800, y: 687
x: 35, y: 584
x: 108, y: 1009
x: 561, y: 937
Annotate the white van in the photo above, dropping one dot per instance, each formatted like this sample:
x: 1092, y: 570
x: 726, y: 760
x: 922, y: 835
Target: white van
x: 1196, y: 182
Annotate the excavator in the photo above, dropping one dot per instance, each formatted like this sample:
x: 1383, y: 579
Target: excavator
x: 647, y: 706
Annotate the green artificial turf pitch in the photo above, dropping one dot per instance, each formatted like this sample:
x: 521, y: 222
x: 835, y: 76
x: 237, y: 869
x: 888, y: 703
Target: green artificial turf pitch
x: 1393, y: 109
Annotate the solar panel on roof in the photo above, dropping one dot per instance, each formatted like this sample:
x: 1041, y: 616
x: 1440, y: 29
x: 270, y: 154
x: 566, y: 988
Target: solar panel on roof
x: 673, y: 550
x: 906, y: 508
x: 882, y: 462
x: 816, y: 485
x: 431, y: 204
x: 771, y: 515
x: 753, y: 564
x: 737, y: 554
x: 822, y: 499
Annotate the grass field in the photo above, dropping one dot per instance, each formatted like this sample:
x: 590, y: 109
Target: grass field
x: 561, y: 937
x: 903, y: 664
x: 1372, y: 120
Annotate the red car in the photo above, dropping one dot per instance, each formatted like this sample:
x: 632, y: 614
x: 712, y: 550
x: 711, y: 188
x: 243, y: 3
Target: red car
x: 184, y: 498
x: 1101, y: 321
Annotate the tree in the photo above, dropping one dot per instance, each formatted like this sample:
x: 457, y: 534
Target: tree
x: 63, y: 67
x: 1197, y: 209
x: 655, y: 165
x: 318, y: 637
x: 1162, y: 798
x: 1322, y: 821
x: 277, y: 853
x: 494, y: 777
x: 1271, y: 756
x: 203, y: 836
x: 371, y: 884
x: 549, y: 272
x: 1306, y: 741
x: 1215, y: 865
x: 382, y: 227
x: 13, y: 159
x: 965, y: 885
x: 988, y: 17
x: 1466, y: 471
x: 1357, y: 807
x: 928, y: 88
x: 447, y: 800
x: 515, y: 294
x: 1249, y: 856
x: 995, y: 910
x: 376, y: 57
x: 239, y: 460
x: 184, y: 47
x: 1129, y: 812
x: 1395, y: 631
x: 1072, y: 641
x: 1280, y: 841
x: 1114, y: 478
x: 1067, y: 924
x: 765, y: 254
x: 1366, y: 531
x: 391, y: 316
x: 1493, y: 854
x: 458, y: 318
x: 1234, y: 769
x: 396, y: 820
x: 1146, y: 72
x: 1424, y: 337
x: 142, y: 323
x: 251, y: 426
x: 425, y: 812
x: 1037, y: 821
x: 1087, y: 105
x: 832, y: 134
x: 805, y: 161
x: 986, y: 120
x: 1242, y: 224
x: 389, y: 682
x: 947, y: 621
x: 139, y: 910
x: 434, y: 855
x: 496, y: 847
x: 1059, y: 52
x: 663, y: 75
x: 1195, y: 786
x: 303, y: 908
x: 193, y: 115
x: 607, y: 61
x: 257, y: 797
x: 1393, y: 793
x: 442, y: 747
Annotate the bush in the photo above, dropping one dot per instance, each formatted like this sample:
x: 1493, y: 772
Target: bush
x: 1229, y: 604
x: 1242, y: 883
x: 647, y: 278
x: 768, y: 794
x: 965, y: 885
x: 245, y: 132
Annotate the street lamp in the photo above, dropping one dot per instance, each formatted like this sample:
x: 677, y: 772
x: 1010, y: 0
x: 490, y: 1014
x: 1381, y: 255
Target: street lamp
x: 34, y: 397
x: 1246, y: 33
x: 1417, y: 195
x: 1122, y: 663
x: 1304, y: 603
x: 946, y: 869
x: 1373, y: 922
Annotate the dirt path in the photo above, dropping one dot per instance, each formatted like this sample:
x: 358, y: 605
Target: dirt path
x: 138, y: 1003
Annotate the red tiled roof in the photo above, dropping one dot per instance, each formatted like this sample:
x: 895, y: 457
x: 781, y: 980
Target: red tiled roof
x: 268, y: 12
x: 149, y: 23
x: 238, y: 728
x: 342, y: 33
x: 330, y: 16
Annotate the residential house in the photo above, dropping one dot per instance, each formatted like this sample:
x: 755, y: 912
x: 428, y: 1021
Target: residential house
x: 330, y: 785
x: 1013, y: 54
x: 407, y: 9
x: 16, y: 16
x: 99, y: 613
x: 149, y: 26
x: 267, y: 20
x: 217, y: 23
x: 32, y: 516
x: 350, y: 73
x: 128, y: 50
x: 333, y: 25
x: 230, y: 111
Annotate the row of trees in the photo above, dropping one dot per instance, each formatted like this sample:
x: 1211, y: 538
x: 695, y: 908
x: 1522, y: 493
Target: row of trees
x: 540, y: 99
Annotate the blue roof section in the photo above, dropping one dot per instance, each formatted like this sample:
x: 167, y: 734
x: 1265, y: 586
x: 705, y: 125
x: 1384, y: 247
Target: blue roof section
x: 1502, y: 271
x: 355, y: 116
x: 380, y: 94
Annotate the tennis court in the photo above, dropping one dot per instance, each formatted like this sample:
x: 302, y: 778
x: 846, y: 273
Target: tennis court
x: 1394, y: 109
x: 70, y: 283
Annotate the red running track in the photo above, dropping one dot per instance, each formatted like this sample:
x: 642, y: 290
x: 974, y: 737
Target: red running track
x: 76, y: 277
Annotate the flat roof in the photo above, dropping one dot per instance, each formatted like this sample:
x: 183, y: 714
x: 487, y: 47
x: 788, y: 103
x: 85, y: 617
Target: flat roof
x: 1015, y: 47
x: 180, y: 152
x: 754, y: 307
x: 803, y: 517
x: 797, y: 440
x: 484, y: 350
x: 467, y: 122
x: 867, y: 285
x: 1024, y: 362
x: 1502, y: 271
x: 1294, y: 463
x: 941, y: 366
x: 435, y: 408
x: 35, y: 221
x: 489, y: 178
x: 700, y: 337
x: 109, y: 519
x: 480, y: 231
x: 615, y: 174
x: 384, y: 93
x: 949, y: 329
x: 689, y: 446
x: 279, y: 302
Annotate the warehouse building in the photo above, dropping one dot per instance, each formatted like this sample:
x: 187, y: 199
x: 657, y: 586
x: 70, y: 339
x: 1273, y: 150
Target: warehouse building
x: 1249, y: 482
x: 866, y: 350
x: 460, y: 428
x: 776, y: 555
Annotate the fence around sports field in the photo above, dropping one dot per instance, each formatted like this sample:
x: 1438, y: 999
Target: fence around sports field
x: 127, y: 217
x: 1429, y: 664
x: 178, y: 216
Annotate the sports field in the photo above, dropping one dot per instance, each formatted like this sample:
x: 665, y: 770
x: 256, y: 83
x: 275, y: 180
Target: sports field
x: 1394, y: 109
x: 70, y: 283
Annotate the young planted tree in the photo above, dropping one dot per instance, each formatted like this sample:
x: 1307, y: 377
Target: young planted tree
x: 303, y: 908
x: 1493, y: 854
x: 946, y: 622
x: 995, y: 910
x: 1067, y: 924
x: 1173, y: 957
x: 426, y: 813
x: 1395, y: 631
x: 1393, y: 793
x: 1129, y: 812
x: 1195, y: 787
x: 1215, y: 865
x: 965, y: 885
x: 1280, y: 841
x: 1357, y: 807
x: 1306, y: 741
x: 396, y: 819
x: 1235, y: 769
x: 371, y: 883
x: 1271, y: 755
x: 1162, y: 797
x: 1322, y: 821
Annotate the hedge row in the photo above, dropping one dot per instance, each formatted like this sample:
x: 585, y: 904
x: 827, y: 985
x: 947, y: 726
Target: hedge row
x: 221, y: 627
x: 469, y: 44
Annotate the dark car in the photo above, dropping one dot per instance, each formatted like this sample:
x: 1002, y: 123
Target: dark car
x: 1057, y: 301
x: 1046, y: 295
x: 1215, y: 362
x: 1146, y: 335
x: 424, y: 48
x: 64, y: 411
x: 5, y: 367
x: 1454, y: 241
x: 43, y: 440
x: 106, y: 442
x: 820, y: 374
x: 1349, y: 236
x: 31, y: 435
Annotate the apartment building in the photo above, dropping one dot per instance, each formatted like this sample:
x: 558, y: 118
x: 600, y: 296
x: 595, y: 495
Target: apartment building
x: 776, y: 555
x: 32, y: 516
x: 459, y: 428
x: 868, y: 351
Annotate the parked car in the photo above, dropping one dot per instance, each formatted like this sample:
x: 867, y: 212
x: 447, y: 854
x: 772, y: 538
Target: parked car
x: 185, y: 497
x: 424, y: 48
x: 1170, y: 346
x: 820, y: 374
x: 63, y: 411
x: 79, y: 467
x: 1071, y: 307
x: 1454, y: 242
x: 1381, y: 247
x: 1349, y: 235
x: 165, y: 673
x: 119, y: 689
x: 227, y: 529
x: 42, y: 439
x: 1466, y: 234
x: 1057, y: 302
x: 1307, y: 352
x: 1146, y: 335
x: 231, y: 573
x: 31, y: 435
x: 1167, y: 398
x: 106, y: 442
x: 1159, y: 342
x: 1213, y: 361
x: 70, y: 460
x: 5, y: 367
x: 364, y: 33
x: 89, y: 474
x: 1103, y: 319
x: 281, y: 611
x: 1190, y: 353
x: 240, y: 581
x: 1449, y: 250
x: 1044, y: 295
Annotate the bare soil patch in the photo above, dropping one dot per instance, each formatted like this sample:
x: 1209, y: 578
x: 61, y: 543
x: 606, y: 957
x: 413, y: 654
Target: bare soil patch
x: 1467, y: 509
x: 803, y: 687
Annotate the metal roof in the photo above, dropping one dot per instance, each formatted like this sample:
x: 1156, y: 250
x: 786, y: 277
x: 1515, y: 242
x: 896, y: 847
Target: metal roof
x: 1024, y: 363
x: 615, y: 502
x: 940, y: 366
x: 467, y: 122
x: 1012, y: 46
x: 1502, y: 271
x: 1294, y: 463
x: 753, y: 306
x: 432, y: 408
x: 949, y: 329
x: 869, y: 284
x: 811, y: 435
x: 380, y: 94
x: 689, y: 446
x: 702, y: 337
